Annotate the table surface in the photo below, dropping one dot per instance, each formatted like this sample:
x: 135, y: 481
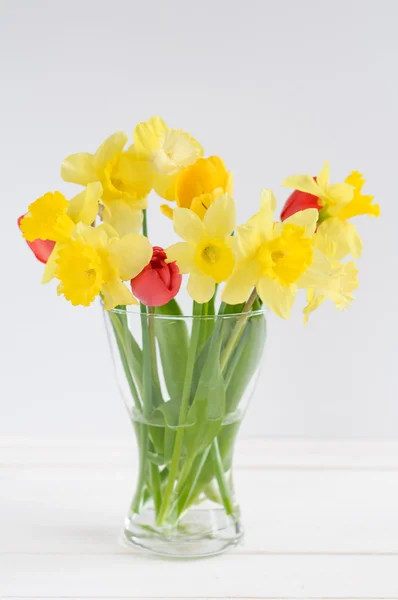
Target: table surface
x: 321, y: 521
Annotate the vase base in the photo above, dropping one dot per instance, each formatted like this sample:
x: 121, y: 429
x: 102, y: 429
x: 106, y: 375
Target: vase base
x: 201, y: 532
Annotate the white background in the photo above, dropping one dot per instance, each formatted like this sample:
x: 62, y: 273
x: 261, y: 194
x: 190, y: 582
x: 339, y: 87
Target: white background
x: 275, y: 88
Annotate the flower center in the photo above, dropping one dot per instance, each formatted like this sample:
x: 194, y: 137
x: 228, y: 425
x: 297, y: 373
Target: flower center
x: 211, y: 254
x: 215, y: 258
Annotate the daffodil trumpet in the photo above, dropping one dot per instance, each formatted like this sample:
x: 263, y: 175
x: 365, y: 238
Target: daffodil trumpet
x: 186, y: 378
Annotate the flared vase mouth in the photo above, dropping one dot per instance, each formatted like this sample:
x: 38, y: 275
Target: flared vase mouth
x: 135, y: 310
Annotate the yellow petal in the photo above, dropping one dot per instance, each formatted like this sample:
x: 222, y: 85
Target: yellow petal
x: 242, y: 281
x: 112, y: 146
x: 200, y: 287
x: 324, y: 176
x: 95, y: 237
x: 122, y: 217
x: 130, y: 177
x: 84, y: 207
x: 167, y: 211
x: 79, y: 168
x: 165, y: 185
x: 318, y: 272
x: 344, y: 235
x: 47, y: 219
x: 313, y: 302
x: 50, y: 268
x: 340, y: 193
x: 115, y: 292
x: 303, y: 183
x: 184, y: 255
x: 147, y: 134
x: 247, y: 241
x: 188, y: 225
x: 219, y: 219
x: 130, y: 254
x: 307, y: 218
x: 279, y: 298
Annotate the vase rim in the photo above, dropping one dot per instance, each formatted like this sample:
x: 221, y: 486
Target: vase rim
x: 135, y: 310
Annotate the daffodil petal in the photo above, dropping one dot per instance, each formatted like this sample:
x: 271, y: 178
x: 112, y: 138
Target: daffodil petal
x: 340, y: 193
x: 324, y: 176
x: 318, y: 272
x: 247, y: 241
x: 345, y: 236
x: 79, y: 168
x: 122, y: 217
x: 84, y: 207
x: 165, y: 185
x: 50, y: 268
x: 242, y: 281
x: 313, y: 302
x: 303, y: 183
x: 188, y: 225
x: 220, y: 218
x: 94, y: 237
x: 184, y: 255
x: 146, y: 137
x: 130, y: 254
x: 307, y: 218
x: 167, y: 211
x: 279, y: 298
x: 200, y: 287
x: 115, y: 292
x: 112, y: 146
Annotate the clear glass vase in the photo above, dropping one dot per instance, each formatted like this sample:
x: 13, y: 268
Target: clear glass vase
x: 186, y: 383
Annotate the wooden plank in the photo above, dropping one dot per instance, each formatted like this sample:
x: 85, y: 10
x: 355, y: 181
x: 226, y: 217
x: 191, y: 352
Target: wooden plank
x: 251, y: 453
x: 80, y: 510
x: 224, y: 576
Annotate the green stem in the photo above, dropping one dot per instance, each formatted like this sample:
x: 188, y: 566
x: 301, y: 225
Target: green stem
x: 237, y: 331
x: 197, y: 309
x: 221, y: 479
x: 120, y: 341
x: 145, y: 224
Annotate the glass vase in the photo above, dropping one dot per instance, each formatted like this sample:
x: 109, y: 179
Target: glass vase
x: 186, y: 382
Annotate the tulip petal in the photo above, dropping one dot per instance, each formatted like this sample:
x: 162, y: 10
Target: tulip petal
x: 130, y: 254
x: 122, y: 217
x: 79, y: 168
x: 220, y: 218
x: 184, y: 255
x: 114, y: 292
x: 200, y: 287
x: 304, y: 183
x: 84, y: 207
x: 188, y: 225
x: 110, y: 148
x: 279, y: 298
x: 242, y: 281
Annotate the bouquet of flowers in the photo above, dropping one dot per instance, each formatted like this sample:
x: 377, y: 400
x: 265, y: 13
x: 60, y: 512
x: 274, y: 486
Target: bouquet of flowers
x: 186, y: 379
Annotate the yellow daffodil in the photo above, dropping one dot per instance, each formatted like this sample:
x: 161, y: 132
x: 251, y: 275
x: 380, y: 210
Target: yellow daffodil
x: 341, y: 283
x: 167, y: 151
x: 200, y: 184
x: 126, y: 179
x: 96, y: 260
x: 53, y: 217
x: 207, y: 253
x: 339, y: 203
x: 275, y: 258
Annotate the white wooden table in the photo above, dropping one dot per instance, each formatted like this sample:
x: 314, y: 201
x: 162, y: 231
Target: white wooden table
x: 321, y: 521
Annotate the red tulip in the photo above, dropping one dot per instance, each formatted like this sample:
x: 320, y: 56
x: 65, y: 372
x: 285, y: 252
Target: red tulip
x: 299, y: 201
x: 158, y: 282
x: 40, y: 248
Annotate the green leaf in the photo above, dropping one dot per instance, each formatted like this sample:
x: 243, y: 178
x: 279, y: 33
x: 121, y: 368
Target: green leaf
x: 207, y: 411
x: 167, y: 416
x: 172, y: 337
x: 244, y: 360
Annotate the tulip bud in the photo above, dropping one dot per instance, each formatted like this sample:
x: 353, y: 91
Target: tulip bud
x: 158, y: 282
